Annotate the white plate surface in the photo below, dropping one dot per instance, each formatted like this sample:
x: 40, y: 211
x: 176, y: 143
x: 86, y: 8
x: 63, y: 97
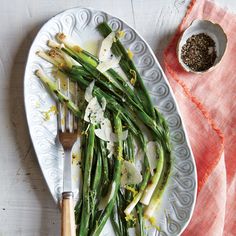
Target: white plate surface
x: 179, y: 198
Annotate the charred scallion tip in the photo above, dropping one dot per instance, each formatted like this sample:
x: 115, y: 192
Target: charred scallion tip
x: 52, y: 87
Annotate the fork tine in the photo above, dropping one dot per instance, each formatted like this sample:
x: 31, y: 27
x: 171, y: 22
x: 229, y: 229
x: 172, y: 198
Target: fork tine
x: 68, y: 114
x: 75, y: 123
x: 67, y: 122
x: 61, y: 112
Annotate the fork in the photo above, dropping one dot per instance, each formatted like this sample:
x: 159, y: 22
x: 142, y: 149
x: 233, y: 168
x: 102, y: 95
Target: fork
x: 67, y: 133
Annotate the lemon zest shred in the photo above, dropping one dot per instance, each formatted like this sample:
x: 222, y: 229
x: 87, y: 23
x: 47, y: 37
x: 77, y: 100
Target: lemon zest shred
x: 130, y: 217
x: 120, y: 158
x: 53, y: 109
x: 37, y: 104
x: 46, y: 114
x: 120, y: 34
x: 75, y: 158
x: 85, y: 132
x: 131, y: 189
x: 63, y: 121
x: 152, y: 221
x: 78, y: 48
x: 134, y: 77
x: 130, y: 54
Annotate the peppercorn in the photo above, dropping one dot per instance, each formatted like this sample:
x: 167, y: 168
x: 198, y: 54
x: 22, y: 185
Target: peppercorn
x: 199, y: 52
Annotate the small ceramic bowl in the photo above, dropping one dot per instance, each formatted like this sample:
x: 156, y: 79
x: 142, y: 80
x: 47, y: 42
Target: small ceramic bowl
x: 211, y: 29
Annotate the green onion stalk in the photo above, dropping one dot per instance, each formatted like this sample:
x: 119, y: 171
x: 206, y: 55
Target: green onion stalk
x: 115, y: 226
x: 115, y: 185
x: 165, y: 174
x: 87, y: 183
x: 129, y: 68
x: 52, y: 87
x: 96, y: 185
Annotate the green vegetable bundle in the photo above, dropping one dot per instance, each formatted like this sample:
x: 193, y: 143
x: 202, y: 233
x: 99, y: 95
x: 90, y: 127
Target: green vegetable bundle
x: 117, y: 119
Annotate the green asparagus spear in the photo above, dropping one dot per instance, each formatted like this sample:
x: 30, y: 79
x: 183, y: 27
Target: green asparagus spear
x: 85, y: 217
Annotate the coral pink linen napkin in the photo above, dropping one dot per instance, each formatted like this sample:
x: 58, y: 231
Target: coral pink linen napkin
x: 208, y: 106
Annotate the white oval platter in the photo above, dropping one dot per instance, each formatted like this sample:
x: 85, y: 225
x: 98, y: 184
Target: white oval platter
x: 178, y: 201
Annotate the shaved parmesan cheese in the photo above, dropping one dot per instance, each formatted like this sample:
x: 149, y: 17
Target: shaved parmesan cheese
x: 106, y: 46
x: 106, y: 126
x: 139, y: 158
x: 140, y: 155
x: 135, y: 145
x: 111, y: 145
x: 124, y: 76
x: 124, y: 135
x: 132, y: 231
x: 152, y: 155
x: 89, y: 92
x: 105, y: 200
x: 108, y: 64
x: 106, y: 133
x: 94, y: 112
x: 100, y: 134
x: 111, y: 149
x: 113, y: 187
x: 104, y: 103
x: 130, y: 174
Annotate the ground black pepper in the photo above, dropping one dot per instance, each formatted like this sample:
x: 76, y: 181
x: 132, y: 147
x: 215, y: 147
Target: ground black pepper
x: 199, y: 52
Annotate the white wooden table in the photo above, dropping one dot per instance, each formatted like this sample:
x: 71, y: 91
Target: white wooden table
x: 26, y: 207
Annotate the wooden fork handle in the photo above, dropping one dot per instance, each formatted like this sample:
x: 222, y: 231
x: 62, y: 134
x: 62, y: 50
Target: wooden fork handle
x: 67, y: 216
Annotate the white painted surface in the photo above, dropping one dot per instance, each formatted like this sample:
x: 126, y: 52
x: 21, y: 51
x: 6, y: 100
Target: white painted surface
x: 26, y: 207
